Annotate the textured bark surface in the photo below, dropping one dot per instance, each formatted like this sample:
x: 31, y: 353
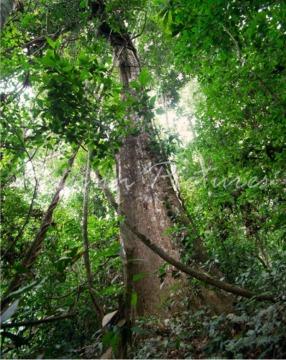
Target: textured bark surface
x: 147, y: 197
x: 142, y: 201
x: 145, y: 189
x: 150, y: 203
x: 6, y: 6
x: 142, y: 191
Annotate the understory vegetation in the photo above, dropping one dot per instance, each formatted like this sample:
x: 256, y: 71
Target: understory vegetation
x: 209, y: 94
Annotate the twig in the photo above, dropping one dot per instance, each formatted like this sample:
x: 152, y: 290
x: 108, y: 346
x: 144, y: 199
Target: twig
x: 143, y: 28
x: 239, y: 56
x: 38, y: 321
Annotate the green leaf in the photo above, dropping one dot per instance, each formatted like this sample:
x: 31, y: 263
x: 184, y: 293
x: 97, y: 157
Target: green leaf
x: 49, y: 59
x: 20, y: 268
x: 134, y: 298
x: 144, y: 77
x: 152, y: 101
x: 83, y: 4
x: 138, y: 277
x: 53, y: 44
x: 160, y: 111
x: 27, y: 20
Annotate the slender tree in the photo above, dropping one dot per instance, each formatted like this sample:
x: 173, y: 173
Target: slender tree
x: 94, y: 297
x: 36, y: 246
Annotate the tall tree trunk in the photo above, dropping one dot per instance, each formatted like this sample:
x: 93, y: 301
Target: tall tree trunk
x: 145, y: 192
x: 147, y: 196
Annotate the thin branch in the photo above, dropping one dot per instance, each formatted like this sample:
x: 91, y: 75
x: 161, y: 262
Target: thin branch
x: 143, y: 28
x: 36, y: 245
x: 34, y: 193
x: 94, y: 297
x: 79, y: 288
x: 238, y: 51
x: 38, y: 321
x: 107, y: 192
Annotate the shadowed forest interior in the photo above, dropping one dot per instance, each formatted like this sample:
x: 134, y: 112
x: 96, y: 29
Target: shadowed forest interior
x: 143, y: 179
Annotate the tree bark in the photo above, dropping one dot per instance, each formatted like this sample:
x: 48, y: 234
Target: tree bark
x: 196, y: 273
x: 143, y: 194
x: 200, y: 274
x: 147, y: 197
x: 6, y: 6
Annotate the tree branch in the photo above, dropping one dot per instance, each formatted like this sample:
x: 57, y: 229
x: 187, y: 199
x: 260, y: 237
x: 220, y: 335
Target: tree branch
x: 198, y: 274
x: 142, y: 30
x: 94, y: 297
x: 38, y: 321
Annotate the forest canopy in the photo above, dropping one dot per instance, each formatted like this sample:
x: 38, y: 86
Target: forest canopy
x: 143, y: 179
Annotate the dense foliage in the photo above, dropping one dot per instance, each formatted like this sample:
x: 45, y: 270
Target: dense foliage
x: 218, y: 64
